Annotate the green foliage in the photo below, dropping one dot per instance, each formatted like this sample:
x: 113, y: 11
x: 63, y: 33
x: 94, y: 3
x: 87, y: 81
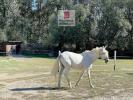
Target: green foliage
x: 114, y: 25
x: 98, y: 22
x: 3, y: 36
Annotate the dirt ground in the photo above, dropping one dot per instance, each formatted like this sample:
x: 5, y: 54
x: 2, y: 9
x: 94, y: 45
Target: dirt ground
x: 30, y: 86
x: 33, y: 82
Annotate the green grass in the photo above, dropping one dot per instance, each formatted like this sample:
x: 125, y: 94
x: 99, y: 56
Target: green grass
x: 105, y: 79
x: 14, y: 65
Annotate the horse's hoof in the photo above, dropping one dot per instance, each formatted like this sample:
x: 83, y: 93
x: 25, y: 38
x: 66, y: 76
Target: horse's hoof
x: 70, y: 86
x: 92, y: 86
x: 76, y: 85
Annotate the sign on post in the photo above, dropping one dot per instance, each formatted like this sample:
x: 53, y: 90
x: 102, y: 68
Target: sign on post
x: 66, y: 17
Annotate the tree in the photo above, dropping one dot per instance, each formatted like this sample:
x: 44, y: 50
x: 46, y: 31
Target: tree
x: 114, y: 26
x: 3, y: 36
x: 130, y: 18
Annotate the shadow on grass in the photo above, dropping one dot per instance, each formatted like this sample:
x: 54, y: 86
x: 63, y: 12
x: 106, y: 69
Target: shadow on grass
x: 129, y: 73
x: 39, y: 88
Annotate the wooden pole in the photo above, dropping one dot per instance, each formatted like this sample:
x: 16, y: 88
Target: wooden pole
x: 114, y: 60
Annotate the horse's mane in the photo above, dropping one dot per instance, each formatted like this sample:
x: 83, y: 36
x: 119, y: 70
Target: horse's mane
x: 93, y: 50
x: 96, y: 50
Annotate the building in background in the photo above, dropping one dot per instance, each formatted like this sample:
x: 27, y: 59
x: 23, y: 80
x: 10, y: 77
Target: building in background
x: 10, y: 48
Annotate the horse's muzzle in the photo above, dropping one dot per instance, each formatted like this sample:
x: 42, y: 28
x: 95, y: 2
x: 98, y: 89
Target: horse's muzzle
x: 106, y: 60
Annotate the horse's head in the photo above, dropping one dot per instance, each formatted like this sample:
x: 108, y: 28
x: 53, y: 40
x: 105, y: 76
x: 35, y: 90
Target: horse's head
x: 103, y: 54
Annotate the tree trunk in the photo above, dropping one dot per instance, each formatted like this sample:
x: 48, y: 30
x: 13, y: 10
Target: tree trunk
x: 77, y: 46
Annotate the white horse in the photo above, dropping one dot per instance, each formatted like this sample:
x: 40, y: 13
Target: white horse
x: 67, y: 60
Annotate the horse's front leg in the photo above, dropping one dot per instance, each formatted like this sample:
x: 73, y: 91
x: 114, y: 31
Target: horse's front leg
x: 60, y: 75
x: 89, y: 77
x: 80, y: 77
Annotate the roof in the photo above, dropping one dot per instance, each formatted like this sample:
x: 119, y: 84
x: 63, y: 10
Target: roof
x: 12, y: 42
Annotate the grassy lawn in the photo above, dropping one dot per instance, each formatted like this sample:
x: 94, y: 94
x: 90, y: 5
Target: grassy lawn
x: 14, y: 65
x: 107, y: 81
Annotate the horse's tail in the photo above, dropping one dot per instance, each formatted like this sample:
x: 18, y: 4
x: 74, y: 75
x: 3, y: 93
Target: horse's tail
x: 56, y: 66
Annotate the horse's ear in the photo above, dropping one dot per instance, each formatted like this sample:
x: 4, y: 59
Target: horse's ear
x: 105, y: 47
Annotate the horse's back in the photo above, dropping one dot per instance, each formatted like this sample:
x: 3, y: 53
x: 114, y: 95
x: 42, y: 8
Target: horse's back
x: 71, y: 58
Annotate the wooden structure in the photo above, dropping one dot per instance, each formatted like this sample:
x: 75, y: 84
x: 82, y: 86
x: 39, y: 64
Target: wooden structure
x: 10, y: 47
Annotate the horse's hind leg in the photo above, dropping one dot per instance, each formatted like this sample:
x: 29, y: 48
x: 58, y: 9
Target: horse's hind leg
x: 60, y: 75
x: 66, y: 71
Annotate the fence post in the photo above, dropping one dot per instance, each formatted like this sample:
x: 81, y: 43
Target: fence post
x: 114, y: 60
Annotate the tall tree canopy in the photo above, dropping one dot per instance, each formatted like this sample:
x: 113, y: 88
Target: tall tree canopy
x: 98, y: 22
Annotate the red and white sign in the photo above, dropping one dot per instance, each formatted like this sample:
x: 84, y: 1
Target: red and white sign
x: 66, y: 17
x: 66, y: 14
